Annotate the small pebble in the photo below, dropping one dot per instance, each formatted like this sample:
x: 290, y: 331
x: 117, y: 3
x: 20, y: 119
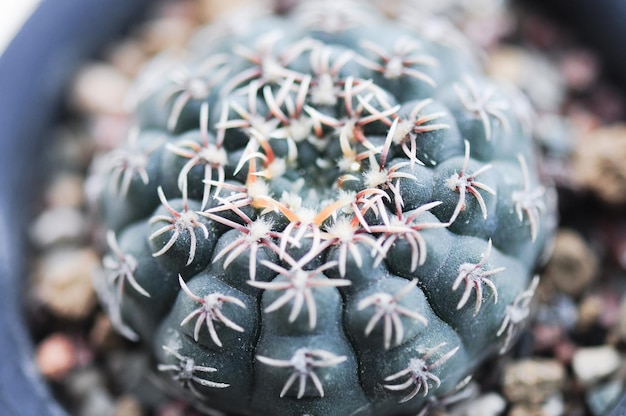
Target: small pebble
x: 59, y: 225
x: 553, y: 406
x: 598, y: 163
x: 592, y: 364
x: 589, y: 311
x: 532, y: 380
x: 128, y: 57
x: 127, y: 406
x: 165, y: 33
x: 80, y: 382
x: 603, y: 397
x: 526, y: 410
x: 66, y: 190
x: 573, y: 265
x: 213, y: 9
x: 490, y: 404
x: 100, y: 88
x: 55, y: 356
x: 63, y: 282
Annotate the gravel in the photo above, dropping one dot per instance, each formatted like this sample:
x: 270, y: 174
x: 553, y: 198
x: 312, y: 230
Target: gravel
x: 569, y: 361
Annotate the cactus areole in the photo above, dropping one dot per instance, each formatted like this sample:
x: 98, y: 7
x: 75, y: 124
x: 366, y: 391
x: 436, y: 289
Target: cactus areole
x: 325, y: 213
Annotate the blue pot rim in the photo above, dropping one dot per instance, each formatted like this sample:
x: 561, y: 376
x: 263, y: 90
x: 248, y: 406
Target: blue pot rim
x: 35, y: 70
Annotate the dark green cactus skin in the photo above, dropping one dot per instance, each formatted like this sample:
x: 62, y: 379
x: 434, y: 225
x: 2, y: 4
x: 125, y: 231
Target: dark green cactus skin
x: 323, y: 220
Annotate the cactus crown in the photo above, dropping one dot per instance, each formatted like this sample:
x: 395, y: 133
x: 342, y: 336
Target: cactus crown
x: 327, y: 212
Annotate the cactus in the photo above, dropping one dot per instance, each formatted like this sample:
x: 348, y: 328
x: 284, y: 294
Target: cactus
x: 323, y: 212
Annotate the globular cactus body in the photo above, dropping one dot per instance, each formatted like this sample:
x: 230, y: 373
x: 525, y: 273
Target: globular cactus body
x: 323, y: 213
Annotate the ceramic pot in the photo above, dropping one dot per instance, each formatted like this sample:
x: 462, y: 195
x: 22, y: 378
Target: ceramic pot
x: 34, y: 73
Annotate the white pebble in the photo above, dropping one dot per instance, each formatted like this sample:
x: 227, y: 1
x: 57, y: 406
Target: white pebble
x: 100, y: 88
x: 59, y: 225
x: 490, y: 404
x: 592, y: 364
x: 63, y: 281
x: 554, y: 406
x: 66, y: 190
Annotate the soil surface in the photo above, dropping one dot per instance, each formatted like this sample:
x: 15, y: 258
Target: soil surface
x: 569, y: 361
